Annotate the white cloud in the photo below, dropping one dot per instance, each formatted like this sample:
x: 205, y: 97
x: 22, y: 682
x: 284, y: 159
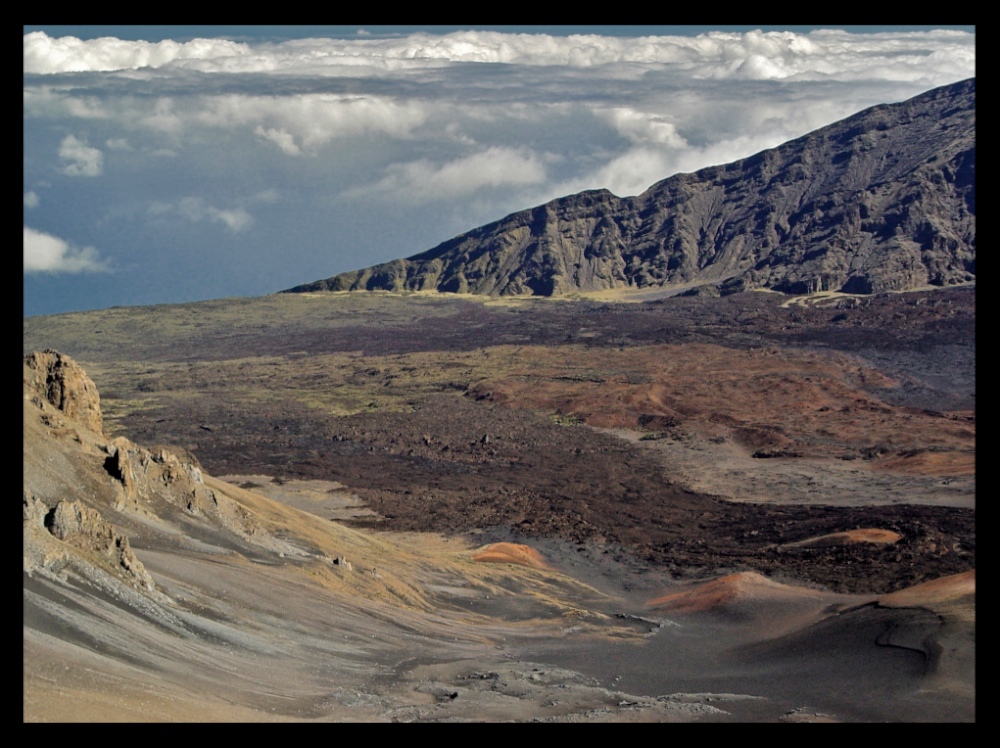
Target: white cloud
x: 307, y: 121
x: 296, y: 123
x: 627, y: 81
x: 44, y: 253
x: 118, y: 144
x: 198, y: 209
x: 281, y: 138
x: 424, y: 181
x: 643, y: 127
x: 31, y: 199
x: 627, y: 174
x: 753, y: 55
x: 637, y: 169
x: 163, y: 117
x: 55, y: 102
x: 44, y: 54
x: 84, y: 161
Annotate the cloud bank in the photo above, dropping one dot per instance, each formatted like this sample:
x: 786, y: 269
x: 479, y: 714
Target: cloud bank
x: 68, y: 54
x: 754, y: 55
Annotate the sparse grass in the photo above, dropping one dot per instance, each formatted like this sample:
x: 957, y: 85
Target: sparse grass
x: 113, y: 410
x: 566, y: 419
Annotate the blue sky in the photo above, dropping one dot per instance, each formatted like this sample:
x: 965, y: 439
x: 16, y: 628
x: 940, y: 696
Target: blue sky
x: 170, y: 164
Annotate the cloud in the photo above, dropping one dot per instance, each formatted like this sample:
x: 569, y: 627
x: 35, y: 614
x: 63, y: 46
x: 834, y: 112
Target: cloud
x: 118, y: 144
x: 162, y: 117
x: 642, y: 127
x: 630, y: 173
x: 294, y: 123
x: 197, y: 209
x: 281, y: 138
x: 644, y: 164
x: 31, y: 199
x: 84, y: 161
x: 265, y: 196
x: 68, y: 54
x: 44, y: 253
x: 753, y: 55
x: 302, y: 94
x: 423, y: 181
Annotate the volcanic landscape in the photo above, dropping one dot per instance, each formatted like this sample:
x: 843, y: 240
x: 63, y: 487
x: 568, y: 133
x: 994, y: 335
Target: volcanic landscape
x: 642, y: 448
x: 692, y: 498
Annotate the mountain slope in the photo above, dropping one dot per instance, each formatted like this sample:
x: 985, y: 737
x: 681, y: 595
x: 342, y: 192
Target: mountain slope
x: 154, y: 592
x: 883, y: 200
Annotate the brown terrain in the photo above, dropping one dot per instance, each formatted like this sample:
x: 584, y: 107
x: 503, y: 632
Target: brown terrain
x: 751, y: 508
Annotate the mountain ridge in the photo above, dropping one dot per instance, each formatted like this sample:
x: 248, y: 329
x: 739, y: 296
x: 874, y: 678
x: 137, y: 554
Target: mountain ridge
x: 883, y: 200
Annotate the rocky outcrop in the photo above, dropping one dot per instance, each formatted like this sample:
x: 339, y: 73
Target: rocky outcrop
x: 60, y: 381
x: 74, y: 476
x: 883, y: 200
x: 143, y: 477
x: 84, y: 535
x: 84, y: 528
x: 65, y: 402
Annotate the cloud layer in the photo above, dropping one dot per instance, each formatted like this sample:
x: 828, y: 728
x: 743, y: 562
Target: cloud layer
x: 68, y: 54
x: 754, y: 55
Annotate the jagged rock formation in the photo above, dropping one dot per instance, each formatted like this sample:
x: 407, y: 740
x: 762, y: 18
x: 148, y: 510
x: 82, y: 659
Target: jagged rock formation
x: 58, y: 532
x: 85, y: 534
x: 60, y: 381
x: 76, y: 477
x: 883, y: 200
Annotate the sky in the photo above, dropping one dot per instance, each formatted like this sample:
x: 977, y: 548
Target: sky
x: 167, y: 164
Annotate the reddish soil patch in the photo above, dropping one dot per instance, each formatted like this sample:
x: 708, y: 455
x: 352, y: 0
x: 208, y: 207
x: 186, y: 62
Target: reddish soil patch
x: 511, y: 553
x: 947, y: 588
x: 921, y: 462
x: 773, y: 403
x: 867, y: 535
x: 746, y: 587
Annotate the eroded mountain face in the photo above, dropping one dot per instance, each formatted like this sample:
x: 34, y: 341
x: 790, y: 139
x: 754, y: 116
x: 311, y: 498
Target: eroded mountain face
x: 881, y: 201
